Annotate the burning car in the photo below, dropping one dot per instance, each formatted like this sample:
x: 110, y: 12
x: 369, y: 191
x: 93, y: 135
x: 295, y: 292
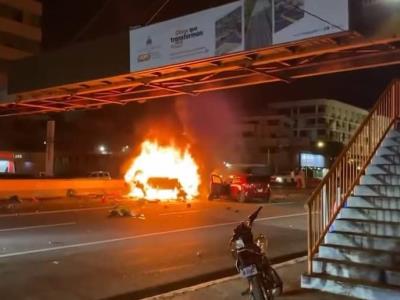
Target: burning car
x: 163, y: 173
x: 241, y: 182
x: 160, y: 186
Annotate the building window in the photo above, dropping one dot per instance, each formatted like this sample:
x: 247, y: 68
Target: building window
x: 284, y: 111
x: 322, y: 121
x: 273, y: 122
x: 322, y: 108
x: 310, y: 122
x: 321, y: 132
x: 303, y: 133
x: 307, y: 109
x: 11, y: 13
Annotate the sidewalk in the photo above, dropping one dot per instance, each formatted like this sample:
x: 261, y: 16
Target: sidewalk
x: 231, y: 287
x: 290, y: 194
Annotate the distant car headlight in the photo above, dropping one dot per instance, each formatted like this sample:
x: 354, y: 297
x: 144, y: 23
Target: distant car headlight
x: 279, y: 179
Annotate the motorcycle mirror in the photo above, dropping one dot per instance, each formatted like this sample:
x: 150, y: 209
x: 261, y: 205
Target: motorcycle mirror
x: 254, y: 215
x: 262, y: 242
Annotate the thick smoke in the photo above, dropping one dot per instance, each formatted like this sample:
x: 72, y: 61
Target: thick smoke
x: 210, y: 124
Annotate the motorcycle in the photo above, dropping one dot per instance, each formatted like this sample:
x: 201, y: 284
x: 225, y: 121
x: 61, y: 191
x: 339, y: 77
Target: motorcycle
x: 252, y: 262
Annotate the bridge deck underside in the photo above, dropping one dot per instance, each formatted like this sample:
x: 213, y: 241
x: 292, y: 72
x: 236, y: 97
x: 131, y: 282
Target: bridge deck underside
x: 318, y: 56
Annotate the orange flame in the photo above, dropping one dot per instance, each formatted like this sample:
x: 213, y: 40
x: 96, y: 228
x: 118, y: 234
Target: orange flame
x: 165, y: 162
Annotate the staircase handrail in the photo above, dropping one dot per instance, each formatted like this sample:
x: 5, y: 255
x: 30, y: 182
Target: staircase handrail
x: 331, y: 194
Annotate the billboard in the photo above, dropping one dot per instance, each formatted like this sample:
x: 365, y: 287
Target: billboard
x: 237, y: 26
x: 311, y: 160
x: 200, y: 35
x: 300, y: 19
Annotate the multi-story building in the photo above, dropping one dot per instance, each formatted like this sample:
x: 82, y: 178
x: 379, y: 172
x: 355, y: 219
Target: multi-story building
x: 295, y: 127
x: 321, y: 119
x: 268, y: 139
x: 20, y: 33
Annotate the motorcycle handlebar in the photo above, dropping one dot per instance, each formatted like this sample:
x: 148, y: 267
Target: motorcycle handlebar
x: 254, y: 215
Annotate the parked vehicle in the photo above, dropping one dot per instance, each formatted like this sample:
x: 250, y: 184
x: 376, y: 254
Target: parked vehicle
x: 241, y: 183
x: 252, y: 262
x: 283, y: 179
x: 100, y: 175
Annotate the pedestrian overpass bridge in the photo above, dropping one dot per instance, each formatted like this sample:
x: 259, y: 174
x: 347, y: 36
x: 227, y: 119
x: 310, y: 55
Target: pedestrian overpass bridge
x: 339, y: 52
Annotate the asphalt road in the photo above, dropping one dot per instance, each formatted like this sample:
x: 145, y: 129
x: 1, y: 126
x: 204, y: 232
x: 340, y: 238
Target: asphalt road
x: 83, y: 254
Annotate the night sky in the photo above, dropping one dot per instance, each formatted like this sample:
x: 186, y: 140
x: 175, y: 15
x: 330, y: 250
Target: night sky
x: 70, y: 21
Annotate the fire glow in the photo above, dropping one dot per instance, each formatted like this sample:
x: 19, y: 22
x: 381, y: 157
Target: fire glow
x: 167, y: 163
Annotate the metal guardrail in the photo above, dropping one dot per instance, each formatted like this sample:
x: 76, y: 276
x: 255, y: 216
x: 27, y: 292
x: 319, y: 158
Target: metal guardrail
x: 331, y: 194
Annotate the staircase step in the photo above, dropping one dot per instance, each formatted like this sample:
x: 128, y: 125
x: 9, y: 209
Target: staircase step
x: 392, y: 150
x: 350, y: 287
x: 374, y: 214
x: 377, y: 190
x: 380, y: 179
x: 393, y: 133
x: 385, y: 159
x: 383, y: 169
x: 374, y: 202
x: 358, y: 271
x: 367, y: 227
x: 367, y: 241
x: 382, y: 258
x: 388, y: 142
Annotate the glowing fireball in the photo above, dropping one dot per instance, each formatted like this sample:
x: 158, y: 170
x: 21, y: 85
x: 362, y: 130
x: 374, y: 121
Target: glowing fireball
x: 163, y: 173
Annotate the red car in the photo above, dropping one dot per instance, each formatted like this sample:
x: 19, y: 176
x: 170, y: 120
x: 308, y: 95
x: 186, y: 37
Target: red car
x: 241, y: 183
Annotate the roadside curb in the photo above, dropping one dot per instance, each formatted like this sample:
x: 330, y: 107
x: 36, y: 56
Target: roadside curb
x: 218, y: 281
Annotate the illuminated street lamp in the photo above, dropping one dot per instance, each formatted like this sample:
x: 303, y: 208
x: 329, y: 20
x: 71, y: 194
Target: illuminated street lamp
x: 320, y: 144
x: 102, y: 149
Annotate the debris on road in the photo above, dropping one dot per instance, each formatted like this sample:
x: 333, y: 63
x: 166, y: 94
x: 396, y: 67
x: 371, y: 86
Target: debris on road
x: 71, y: 193
x: 12, y: 202
x: 122, y: 211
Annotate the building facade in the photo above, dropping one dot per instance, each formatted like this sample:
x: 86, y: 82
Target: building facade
x: 20, y: 34
x: 293, y: 128
x: 321, y: 119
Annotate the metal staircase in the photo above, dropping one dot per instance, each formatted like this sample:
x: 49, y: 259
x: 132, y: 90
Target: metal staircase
x: 354, y: 215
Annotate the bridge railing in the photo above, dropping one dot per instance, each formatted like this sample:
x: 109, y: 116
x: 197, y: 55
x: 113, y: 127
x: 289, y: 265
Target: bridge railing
x: 331, y: 194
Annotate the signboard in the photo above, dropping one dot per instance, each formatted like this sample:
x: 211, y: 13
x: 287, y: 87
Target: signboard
x: 312, y: 160
x: 200, y: 35
x: 300, y: 19
x: 240, y: 25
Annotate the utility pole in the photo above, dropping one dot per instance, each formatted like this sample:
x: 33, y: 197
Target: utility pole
x: 50, y: 148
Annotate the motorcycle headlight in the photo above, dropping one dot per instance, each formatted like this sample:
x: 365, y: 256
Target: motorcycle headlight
x: 239, y: 244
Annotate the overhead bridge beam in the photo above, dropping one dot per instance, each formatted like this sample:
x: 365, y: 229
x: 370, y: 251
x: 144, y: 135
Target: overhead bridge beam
x: 276, y: 64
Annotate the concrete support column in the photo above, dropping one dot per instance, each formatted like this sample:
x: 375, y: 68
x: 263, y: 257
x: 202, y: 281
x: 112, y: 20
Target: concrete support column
x: 50, y: 148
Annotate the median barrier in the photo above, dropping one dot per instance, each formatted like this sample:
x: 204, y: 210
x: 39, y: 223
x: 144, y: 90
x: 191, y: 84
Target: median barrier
x: 49, y: 188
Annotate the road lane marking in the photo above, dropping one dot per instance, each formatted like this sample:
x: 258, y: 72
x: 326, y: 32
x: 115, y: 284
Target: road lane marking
x: 280, y: 203
x: 59, y: 211
x: 181, y: 212
x: 281, y: 217
x: 36, y: 227
x: 135, y: 237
